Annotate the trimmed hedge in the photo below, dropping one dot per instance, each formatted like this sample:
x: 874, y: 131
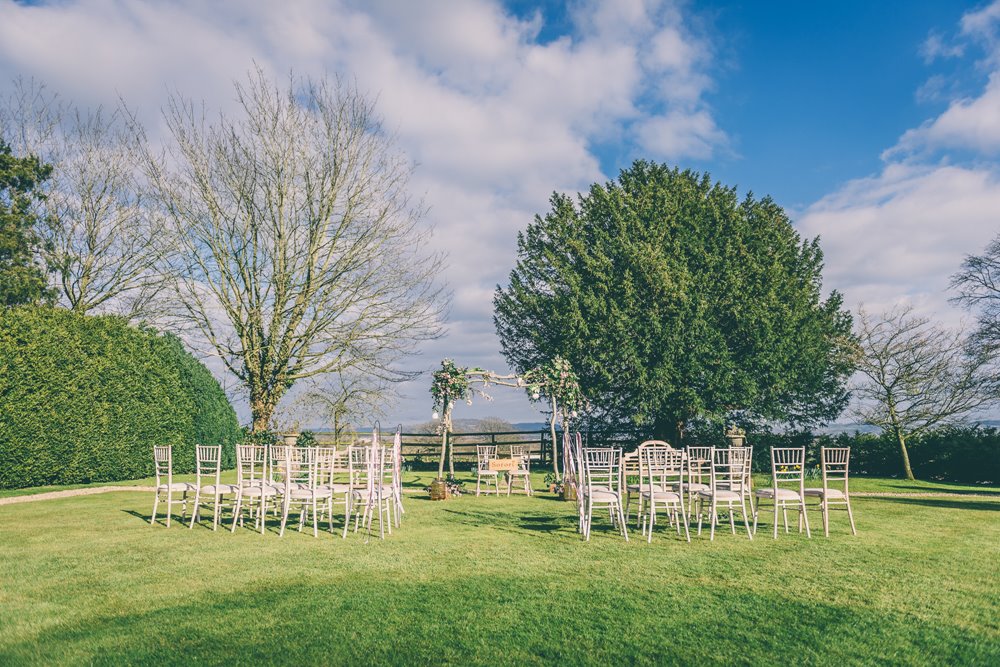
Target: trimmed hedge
x: 84, y: 399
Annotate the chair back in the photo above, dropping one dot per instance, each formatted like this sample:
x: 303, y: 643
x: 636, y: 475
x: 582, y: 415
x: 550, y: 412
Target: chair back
x: 251, y: 465
x: 208, y: 464
x: 698, y: 463
x: 483, y: 455
x: 359, y: 465
x: 602, y: 468
x: 835, y: 462
x: 727, y: 468
x: 662, y: 466
x: 300, y: 468
x: 742, y: 456
x: 278, y: 455
x: 163, y: 461
x: 327, y: 460
x: 521, y: 455
x: 788, y: 466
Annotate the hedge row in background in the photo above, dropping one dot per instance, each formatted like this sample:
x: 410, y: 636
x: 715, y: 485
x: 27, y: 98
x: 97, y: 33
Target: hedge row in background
x: 960, y: 454
x: 84, y: 399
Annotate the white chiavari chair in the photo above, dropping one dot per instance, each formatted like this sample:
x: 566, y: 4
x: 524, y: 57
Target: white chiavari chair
x: 788, y: 466
x: 484, y: 454
x: 521, y: 454
x: 603, y: 486
x: 698, y: 474
x: 835, y: 462
x: 208, y: 472
x: 253, y: 486
x: 662, y: 469
x: 727, y: 472
x: 163, y: 462
x: 303, y: 471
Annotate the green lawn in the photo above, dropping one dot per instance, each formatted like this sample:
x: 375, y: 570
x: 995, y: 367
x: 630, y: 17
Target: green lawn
x: 500, y: 581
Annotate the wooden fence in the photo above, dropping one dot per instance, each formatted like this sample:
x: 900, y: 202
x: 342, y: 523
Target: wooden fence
x: 425, y: 448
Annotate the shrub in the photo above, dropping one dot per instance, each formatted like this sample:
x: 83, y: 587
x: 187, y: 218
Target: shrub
x: 84, y: 399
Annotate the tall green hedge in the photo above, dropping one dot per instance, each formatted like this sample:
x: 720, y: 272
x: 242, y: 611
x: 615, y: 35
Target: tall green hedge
x: 84, y: 399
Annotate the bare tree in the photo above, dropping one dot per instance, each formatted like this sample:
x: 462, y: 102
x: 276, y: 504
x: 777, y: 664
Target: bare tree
x: 978, y: 285
x: 347, y: 399
x: 300, y: 252
x: 100, y: 244
x: 916, y: 376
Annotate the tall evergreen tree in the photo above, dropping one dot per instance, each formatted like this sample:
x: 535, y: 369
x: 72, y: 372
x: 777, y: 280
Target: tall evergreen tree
x: 674, y: 300
x: 22, y: 278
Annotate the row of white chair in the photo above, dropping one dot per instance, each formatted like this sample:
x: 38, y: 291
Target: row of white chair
x: 684, y: 482
x: 366, y: 480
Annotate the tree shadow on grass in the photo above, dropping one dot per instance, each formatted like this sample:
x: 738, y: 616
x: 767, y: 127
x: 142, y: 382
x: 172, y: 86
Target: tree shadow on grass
x: 947, y: 503
x: 532, y: 523
x: 985, y: 491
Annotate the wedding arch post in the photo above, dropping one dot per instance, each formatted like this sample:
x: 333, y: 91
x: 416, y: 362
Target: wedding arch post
x: 555, y: 380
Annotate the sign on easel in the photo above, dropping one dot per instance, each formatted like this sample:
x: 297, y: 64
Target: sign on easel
x: 504, y: 465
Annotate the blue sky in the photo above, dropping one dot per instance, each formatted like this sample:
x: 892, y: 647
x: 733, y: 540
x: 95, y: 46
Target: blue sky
x: 876, y: 124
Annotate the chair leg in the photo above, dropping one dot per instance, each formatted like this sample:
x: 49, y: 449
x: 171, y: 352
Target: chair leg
x: 850, y: 515
x: 170, y: 504
x: 775, y: 518
x: 746, y: 519
x: 194, y: 513
x: 805, y: 519
x: 156, y: 502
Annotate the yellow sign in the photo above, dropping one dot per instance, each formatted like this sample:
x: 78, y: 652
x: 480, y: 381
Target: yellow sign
x: 501, y: 465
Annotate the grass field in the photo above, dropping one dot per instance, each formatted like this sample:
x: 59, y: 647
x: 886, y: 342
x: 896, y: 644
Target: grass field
x: 501, y: 581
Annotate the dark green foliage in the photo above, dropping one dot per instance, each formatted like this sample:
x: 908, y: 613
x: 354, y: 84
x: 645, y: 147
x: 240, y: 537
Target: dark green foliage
x: 214, y: 421
x: 84, y: 399
x: 961, y: 454
x: 674, y: 300
x: 22, y: 280
x: 306, y: 439
x: 250, y: 437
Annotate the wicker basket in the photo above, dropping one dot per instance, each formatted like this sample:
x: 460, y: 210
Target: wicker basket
x: 569, y: 492
x: 439, y: 489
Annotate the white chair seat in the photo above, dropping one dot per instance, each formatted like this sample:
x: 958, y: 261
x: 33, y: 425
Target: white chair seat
x: 177, y: 486
x: 633, y: 488
x: 832, y: 493
x: 486, y: 473
x: 720, y: 494
x: 337, y: 488
x: 603, y: 496
x: 221, y: 489
x: 783, y: 494
x: 660, y: 495
x: 518, y: 473
x: 309, y: 494
x: 258, y: 491
x: 693, y: 487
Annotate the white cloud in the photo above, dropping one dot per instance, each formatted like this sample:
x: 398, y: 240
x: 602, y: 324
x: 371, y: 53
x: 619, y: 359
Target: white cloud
x: 900, y: 235
x: 495, y: 119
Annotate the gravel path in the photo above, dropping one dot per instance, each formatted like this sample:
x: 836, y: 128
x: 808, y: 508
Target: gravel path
x: 89, y: 491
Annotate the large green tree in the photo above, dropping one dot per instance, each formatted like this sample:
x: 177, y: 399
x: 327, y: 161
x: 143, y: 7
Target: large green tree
x: 22, y: 278
x: 674, y: 300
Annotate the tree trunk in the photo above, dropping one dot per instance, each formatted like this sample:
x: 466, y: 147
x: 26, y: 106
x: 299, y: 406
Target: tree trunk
x: 451, y: 458
x: 907, y: 470
x: 444, y: 450
x: 555, y: 448
x: 261, y: 410
x: 670, y: 429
